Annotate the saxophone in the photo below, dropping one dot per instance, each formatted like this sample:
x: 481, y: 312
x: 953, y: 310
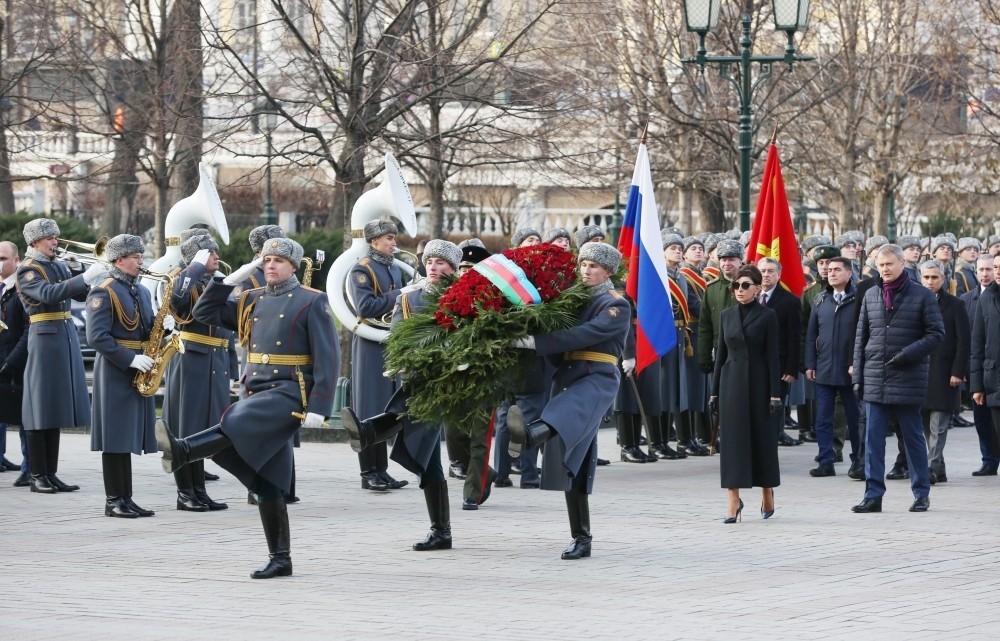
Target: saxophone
x: 146, y: 383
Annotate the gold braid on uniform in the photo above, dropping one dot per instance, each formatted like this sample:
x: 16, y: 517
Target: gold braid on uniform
x: 187, y: 320
x: 243, y: 320
x: 130, y: 324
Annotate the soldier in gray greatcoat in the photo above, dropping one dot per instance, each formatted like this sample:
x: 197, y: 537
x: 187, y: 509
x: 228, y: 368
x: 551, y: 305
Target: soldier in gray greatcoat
x: 291, y: 379
x: 584, y: 386
x: 197, y: 379
x: 374, y: 283
x: 119, y: 320
x: 54, y: 370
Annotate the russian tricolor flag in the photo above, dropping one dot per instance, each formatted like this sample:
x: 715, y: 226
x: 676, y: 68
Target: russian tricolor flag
x: 642, y: 246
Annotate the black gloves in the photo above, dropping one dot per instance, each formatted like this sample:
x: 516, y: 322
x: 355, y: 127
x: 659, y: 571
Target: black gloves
x: 858, y: 390
x: 896, y: 361
x: 776, y: 407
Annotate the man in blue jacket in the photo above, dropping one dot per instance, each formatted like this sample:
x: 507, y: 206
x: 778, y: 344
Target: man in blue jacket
x: 898, y: 327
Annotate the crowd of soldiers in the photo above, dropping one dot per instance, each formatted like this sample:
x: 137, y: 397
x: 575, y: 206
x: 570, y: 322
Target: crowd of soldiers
x: 661, y: 413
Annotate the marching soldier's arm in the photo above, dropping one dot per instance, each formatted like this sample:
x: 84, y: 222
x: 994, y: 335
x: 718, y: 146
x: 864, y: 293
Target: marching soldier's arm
x: 185, y: 283
x: 100, y: 319
x: 234, y: 359
x: 31, y: 284
x: 215, y: 307
x: 611, y: 321
x: 325, y: 350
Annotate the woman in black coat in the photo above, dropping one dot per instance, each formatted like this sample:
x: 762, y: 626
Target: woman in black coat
x: 747, y: 379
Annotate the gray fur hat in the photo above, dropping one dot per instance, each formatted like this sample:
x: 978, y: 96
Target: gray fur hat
x: 967, y: 242
x: 196, y: 243
x: 285, y: 248
x: 938, y: 241
x: 446, y: 250
x: 693, y: 240
x: 713, y: 241
x: 674, y: 230
x: 844, y: 239
x: 905, y: 242
x: 857, y: 235
x: 950, y: 235
x: 874, y: 243
x: 471, y: 242
x: 601, y: 253
x: 586, y: 233
x: 123, y: 245
x: 556, y: 232
x: 265, y: 232
x: 669, y: 238
x: 703, y: 236
x: 814, y: 241
x: 730, y: 248
x: 379, y: 227
x: 39, y: 228
x: 825, y: 252
x: 993, y: 240
x: 733, y: 234
x: 523, y: 234
x: 745, y: 238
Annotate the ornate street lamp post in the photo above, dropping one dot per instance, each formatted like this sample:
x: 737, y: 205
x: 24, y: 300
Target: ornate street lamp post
x: 266, y: 121
x: 702, y: 16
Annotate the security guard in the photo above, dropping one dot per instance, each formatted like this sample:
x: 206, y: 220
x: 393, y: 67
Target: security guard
x: 54, y: 371
x: 294, y: 360
x: 119, y: 320
x: 197, y: 379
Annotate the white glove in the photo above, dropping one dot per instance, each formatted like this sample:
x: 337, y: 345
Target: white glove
x: 96, y: 273
x: 169, y: 323
x: 243, y: 273
x: 202, y: 257
x: 528, y: 342
x: 142, y: 363
x: 313, y: 420
x: 628, y: 366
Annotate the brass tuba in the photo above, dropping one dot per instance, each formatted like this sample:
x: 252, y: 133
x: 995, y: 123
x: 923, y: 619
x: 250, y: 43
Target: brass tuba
x: 391, y: 198
x: 146, y: 383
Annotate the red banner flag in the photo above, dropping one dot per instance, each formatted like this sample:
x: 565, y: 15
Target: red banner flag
x: 773, y: 235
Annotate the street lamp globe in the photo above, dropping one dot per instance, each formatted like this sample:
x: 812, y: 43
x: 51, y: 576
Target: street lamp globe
x: 791, y: 15
x: 701, y: 16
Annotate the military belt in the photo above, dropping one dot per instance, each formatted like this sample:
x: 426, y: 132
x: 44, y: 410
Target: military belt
x: 50, y: 316
x: 211, y: 341
x: 596, y: 357
x: 130, y: 344
x: 279, y: 359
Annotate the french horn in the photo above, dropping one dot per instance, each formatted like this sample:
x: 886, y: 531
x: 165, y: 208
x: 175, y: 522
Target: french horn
x: 391, y: 198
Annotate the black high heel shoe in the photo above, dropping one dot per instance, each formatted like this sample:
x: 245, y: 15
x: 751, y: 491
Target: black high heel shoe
x: 738, y: 517
x: 769, y: 514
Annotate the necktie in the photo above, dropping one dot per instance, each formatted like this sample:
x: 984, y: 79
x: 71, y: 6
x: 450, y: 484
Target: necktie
x: 838, y: 297
x: 3, y: 288
x: 763, y: 298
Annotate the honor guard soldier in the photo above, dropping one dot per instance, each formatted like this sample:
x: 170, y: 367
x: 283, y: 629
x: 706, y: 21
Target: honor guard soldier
x: 55, y: 383
x: 258, y: 236
x: 558, y: 236
x: 198, y: 378
x: 119, y: 326
x: 586, y: 359
x: 911, y: 254
x: 13, y: 356
x: 965, y: 266
x: 291, y: 378
x: 943, y: 251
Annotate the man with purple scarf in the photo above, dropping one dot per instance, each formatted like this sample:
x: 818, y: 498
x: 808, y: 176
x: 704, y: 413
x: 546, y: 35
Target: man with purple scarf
x: 898, y: 327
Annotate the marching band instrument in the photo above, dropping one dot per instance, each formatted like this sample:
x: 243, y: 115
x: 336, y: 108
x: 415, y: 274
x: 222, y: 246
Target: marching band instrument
x: 146, y: 383
x: 391, y: 198
x: 97, y: 249
x: 312, y: 266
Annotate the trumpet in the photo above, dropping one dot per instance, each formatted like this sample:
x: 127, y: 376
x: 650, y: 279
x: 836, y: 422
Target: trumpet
x: 97, y: 249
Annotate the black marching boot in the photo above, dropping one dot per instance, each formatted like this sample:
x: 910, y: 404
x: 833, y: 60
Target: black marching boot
x: 114, y: 487
x: 658, y: 446
x: 186, y: 499
x: 37, y: 461
x: 274, y: 519
x: 181, y: 451
x: 52, y: 462
x: 198, y: 484
x: 368, y: 432
x: 638, y: 440
x: 578, y: 508
x: 630, y: 452
x: 127, y: 465
x: 525, y: 437
x: 438, y: 508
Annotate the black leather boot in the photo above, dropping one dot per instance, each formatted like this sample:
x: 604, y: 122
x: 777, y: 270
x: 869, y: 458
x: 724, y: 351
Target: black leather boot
x: 578, y: 509
x: 127, y: 467
x: 439, y: 510
x: 114, y: 487
x: 37, y: 461
x: 178, y: 452
x: 626, y: 439
x: 525, y: 437
x: 364, y: 433
x: 186, y: 499
x: 274, y: 519
x: 52, y: 462
x: 198, y: 484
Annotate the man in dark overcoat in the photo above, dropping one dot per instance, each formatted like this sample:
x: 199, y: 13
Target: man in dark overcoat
x: 586, y: 380
x: 989, y: 441
x: 13, y: 356
x: 898, y: 327
x: 374, y: 283
x: 54, y: 370
x: 293, y: 363
x: 984, y: 375
x: 198, y: 380
x: 788, y: 309
x: 119, y: 320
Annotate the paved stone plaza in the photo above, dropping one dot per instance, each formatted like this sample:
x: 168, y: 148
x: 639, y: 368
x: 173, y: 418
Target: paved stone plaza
x: 664, y: 565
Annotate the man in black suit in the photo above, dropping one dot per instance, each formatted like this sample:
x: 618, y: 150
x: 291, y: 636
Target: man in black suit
x: 788, y: 308
x: 989, y: 444
x: 13, y: 356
